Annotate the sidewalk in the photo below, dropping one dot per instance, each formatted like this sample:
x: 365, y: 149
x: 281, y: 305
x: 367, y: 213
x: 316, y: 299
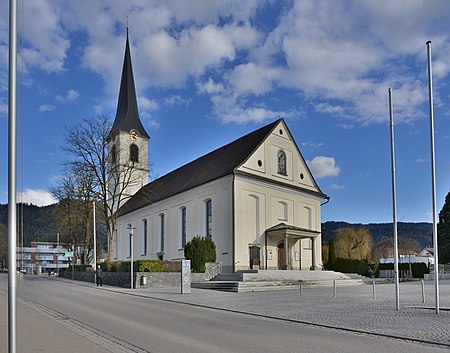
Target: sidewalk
x: 353, y: 308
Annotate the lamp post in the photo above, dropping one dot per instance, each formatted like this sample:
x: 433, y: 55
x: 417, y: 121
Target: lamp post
x: 130, y: 230
x: 95, y: 244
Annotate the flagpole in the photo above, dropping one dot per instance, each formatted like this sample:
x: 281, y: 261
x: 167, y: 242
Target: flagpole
x: 394, y: 203
x: 12, y: 187
x: 95, y: 243
x: 433, y: 180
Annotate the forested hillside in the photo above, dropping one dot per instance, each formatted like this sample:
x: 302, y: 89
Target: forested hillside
x: 421, y: 232
x: 38, y: 222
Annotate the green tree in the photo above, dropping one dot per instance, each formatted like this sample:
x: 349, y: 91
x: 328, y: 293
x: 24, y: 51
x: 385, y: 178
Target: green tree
x: 200, y: 250
x: 443, y: 229
x: 331, y: 253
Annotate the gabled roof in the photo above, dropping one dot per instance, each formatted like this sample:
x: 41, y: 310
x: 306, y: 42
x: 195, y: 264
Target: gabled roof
x: 209, y: 167
x: 127, y: 116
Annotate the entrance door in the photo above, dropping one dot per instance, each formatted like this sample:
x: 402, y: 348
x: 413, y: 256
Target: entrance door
x: 255, y: 259
x: 281, y: 257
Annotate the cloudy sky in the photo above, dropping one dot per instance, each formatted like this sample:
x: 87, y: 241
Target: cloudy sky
x: 208, y: 72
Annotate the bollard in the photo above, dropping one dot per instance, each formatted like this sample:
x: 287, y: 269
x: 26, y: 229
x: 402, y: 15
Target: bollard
x: 334, y: 288
x: 374, y: 293
x: 423, y: 290
x: 300, y: 283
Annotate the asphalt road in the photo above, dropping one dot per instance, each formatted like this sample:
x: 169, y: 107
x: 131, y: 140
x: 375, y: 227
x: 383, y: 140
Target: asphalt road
x: 114, y: 322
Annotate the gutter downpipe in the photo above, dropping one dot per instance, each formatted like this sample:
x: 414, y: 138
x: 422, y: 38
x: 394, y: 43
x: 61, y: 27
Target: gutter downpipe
x: 233, y: 209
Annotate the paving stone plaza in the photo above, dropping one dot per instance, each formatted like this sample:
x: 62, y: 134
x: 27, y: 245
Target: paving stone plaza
x: 353, y: 308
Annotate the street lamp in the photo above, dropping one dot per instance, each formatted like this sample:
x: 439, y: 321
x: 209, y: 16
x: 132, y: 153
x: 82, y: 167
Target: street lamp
x: 130, y: 230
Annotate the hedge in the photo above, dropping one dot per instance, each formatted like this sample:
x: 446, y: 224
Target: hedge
x: 418, y: 268
x: 139, y: 266
x: 351, y: 266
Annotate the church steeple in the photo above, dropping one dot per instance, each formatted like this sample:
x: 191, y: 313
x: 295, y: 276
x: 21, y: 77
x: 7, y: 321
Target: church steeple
x: 127, y: 116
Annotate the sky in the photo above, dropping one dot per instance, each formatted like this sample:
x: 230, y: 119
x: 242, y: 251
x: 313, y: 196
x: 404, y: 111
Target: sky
x: 209, y: 72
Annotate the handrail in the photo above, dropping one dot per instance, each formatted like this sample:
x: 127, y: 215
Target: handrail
x: 215, y: 270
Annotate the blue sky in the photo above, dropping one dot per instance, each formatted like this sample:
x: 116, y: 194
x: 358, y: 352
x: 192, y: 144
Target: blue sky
x: 208, y: 72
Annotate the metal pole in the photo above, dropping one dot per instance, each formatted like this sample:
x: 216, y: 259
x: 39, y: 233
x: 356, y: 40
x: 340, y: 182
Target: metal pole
x: 73, y: 261
x: 394, y: 203
x: 423, y: 290
x: 300, y: 282
x: 12, y: 187
x: 131, y: 251
x: 57, y: 254
x: 334, y: 288
x: 374, y: 293
x: 95, y: 244
x: 433, y: 181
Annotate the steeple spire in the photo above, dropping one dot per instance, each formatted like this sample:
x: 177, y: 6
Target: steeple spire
x: 127, y: 116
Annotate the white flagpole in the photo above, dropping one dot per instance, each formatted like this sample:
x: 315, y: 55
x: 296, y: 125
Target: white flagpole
x: 12, y: 187
x: 433, y: 181
x: 394, y: 203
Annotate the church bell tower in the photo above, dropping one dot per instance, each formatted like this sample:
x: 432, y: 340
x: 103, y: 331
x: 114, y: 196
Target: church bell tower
x: 127, y: 141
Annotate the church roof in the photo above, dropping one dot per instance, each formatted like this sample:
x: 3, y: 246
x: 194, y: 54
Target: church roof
x: 214, y: 165
x: 127, y: 116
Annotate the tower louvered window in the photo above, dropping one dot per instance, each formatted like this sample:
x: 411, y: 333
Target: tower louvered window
x: 134, y: 153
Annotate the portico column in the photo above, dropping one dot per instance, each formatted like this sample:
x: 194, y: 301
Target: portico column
x: 313, y: 246
x: 286, y: 251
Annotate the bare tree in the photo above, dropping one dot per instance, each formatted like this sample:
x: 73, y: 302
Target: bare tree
x: 87, y: 143
x: 353, y: 243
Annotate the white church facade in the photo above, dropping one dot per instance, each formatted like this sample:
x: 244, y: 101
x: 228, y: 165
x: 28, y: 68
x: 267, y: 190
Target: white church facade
x: 254, y: 197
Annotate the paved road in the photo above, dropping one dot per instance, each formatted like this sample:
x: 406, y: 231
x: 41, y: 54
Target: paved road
x: 107, y: 320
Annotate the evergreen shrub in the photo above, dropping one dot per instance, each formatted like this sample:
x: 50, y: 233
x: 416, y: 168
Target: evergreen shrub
x: 200, y: 250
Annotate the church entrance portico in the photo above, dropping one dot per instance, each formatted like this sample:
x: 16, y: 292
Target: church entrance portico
x: 290, y: 249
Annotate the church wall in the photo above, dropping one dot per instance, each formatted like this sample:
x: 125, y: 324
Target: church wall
x: 194, y: 201
x: 261, y: 205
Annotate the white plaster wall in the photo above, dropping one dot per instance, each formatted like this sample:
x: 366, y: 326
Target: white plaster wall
x: 279, y: 202
x: 139, y: 176
x: 218, y: 191
x: 269, y: 196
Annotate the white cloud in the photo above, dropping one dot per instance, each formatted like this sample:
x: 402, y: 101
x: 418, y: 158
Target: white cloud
x: 336, y: 187
x: 46, y: 108
x: 177, y: 100
x: 421, y: 160
x: 312, y: 145
x: 72, y: 95
x: 36, y: 197
x: 324, y: 167
x: 148, y: 104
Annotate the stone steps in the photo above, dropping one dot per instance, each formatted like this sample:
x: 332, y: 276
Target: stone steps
x: 278, y: 280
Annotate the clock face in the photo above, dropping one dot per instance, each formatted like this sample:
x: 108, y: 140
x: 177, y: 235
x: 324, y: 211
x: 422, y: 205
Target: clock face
x: 134, y: 135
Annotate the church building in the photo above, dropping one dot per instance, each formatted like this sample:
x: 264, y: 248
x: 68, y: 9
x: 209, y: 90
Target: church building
x: 254, y: 197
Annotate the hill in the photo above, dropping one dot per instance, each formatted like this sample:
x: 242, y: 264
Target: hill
x: 38, y: 222
x: 421, y: 232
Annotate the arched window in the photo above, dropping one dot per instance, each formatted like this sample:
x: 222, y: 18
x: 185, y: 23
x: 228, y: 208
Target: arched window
x: 281, y: 162
x: 134, y: 153
x: 113, y: 155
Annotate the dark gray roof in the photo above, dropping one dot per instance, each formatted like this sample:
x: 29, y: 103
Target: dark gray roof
x: 127, y: 116
x: 284, y: 226
x: 209, y: 167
